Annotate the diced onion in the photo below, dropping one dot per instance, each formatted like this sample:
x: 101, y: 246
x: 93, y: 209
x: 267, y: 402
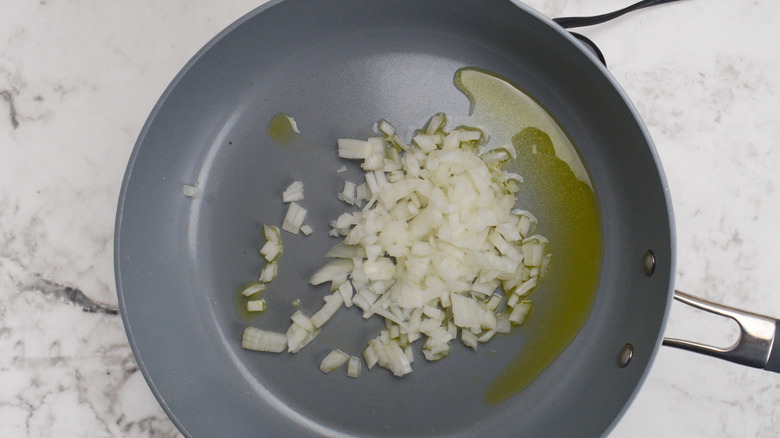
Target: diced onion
x: 302, y: 320
x: 294, y: 218
x: 520, y: 312
x: 354, y: 149
x: 333, y: 361
x: 253, y: 288
x: 299, y: 337
x: 268, y: 274
x: 330, y: 270
x: 346, y: 292
x: 353, y: 367
x: 348, y: 193
x: 271, y: 233
x: 294, y: 192
x: 256, y: 305
x: 386, y: 128
x: 439, y: 249
x: 271, y: 250
x: 190, y: 191
x: 264, y: 340
x: 332, y: 304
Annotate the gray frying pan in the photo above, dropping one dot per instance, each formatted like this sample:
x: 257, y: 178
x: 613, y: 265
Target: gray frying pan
x: 338, y: 67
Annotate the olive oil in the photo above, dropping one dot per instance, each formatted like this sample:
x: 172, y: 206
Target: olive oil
x: 240, y: 302
x: 558, y: 190
x: 282, y: 130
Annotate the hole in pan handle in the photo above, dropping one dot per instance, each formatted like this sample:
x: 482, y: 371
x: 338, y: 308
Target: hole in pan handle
x: 756, y: 346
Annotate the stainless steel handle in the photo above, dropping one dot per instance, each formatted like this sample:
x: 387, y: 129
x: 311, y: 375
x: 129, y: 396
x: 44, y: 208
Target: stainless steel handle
x: 756, y: 346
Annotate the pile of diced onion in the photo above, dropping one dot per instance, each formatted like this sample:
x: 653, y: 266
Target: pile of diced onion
x: 435, y: 247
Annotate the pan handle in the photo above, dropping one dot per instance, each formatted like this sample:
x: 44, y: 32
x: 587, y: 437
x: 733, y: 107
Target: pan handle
x: 756, y: 345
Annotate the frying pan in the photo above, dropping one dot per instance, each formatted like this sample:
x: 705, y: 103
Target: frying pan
x: 338, y: 67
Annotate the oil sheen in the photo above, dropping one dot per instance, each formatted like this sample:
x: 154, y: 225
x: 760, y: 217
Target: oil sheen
x: 558, y: 191
x: 283, y: 130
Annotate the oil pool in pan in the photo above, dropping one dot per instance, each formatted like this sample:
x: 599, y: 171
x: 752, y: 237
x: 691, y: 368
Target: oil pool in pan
x: 557, y: 189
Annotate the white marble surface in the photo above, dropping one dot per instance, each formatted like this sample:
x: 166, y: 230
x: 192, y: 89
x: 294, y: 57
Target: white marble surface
x: 78, y: 78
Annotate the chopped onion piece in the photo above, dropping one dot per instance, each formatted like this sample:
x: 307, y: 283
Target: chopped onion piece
x: 390, y: 355
x: 306, y: 230
x: 294, y: 192
x: 256, y: 305
x: 370, y: 356
x: 354, y: 149
x: 427, y: 143
x: 298, y: 337
x: 374, y: 162
x: 494, y: 302
x: 495, y: 156
x: 534, y: 248
x: 346, y: 292
x: 348, y: 193
x: 469, y: 135
x: 361, y: 194
x: 433, y: 312
x: 271, y: 233
x: 520, y: 312
x: 503, y: 324
x: 302, y: 320
x: 526, y: 287
x: 470, y: 313
x: 396, y: 141
x: 333, y: 361
x: 436, y: 123
x: 253, y: 288
x: 264, y: 340
x: 409, y: 353
x: 330, y: 270
x: 469, y: 339
x: 344, y: 251
x: 386, y: 128
x: 353, y: 367
x: 294, y: 218
x: 332, y: 304
x: 268, y: 274
x: 271, y: 250
x: 435, y: 349
x: 190, y: 191
x: 488, y: 335
x: 545, y: 266
x: 512, y: 182
x: 526, y: 223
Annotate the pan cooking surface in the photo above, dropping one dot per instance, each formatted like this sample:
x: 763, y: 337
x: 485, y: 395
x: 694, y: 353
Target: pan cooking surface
x: 337, y: 69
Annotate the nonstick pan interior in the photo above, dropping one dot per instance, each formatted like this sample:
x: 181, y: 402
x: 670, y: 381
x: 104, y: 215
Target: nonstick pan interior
x: 337, y: 67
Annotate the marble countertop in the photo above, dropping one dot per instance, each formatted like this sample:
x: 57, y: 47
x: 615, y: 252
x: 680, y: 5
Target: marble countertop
x: 78, y: 79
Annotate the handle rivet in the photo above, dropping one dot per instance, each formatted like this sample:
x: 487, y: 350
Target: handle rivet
x: 649, y: 263
x: 626, y: 354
